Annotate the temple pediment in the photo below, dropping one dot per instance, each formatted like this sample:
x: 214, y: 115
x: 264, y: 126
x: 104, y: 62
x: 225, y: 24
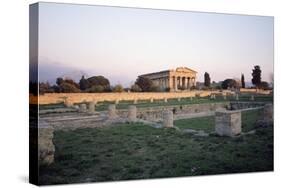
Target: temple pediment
x: 185, y: 70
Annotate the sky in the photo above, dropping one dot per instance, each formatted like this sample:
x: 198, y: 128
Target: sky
x: 122, y: 43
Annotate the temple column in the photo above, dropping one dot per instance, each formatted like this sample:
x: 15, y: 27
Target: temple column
x: 180, y: 80
x: 171, y: 83
x: 161, y: 83
x: 193, y: 81
x: 183, y: 82
x: 175, y: 83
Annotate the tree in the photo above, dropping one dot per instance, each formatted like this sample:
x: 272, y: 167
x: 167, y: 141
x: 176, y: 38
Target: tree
x: 44, y: 88
x: 59, y: 81
x: 135, y: 88
x: 72, y: 82
x: 229, y: 83
x: 207, y: 79
x: 99, y: 81
x: 118, y: 88
x: 68, y: 88
x: 256, y: 80
x: 264, y: 85
x: 84, y: 83
x: 95, y: 89
x: 242, y: 81
x: 144, y: 83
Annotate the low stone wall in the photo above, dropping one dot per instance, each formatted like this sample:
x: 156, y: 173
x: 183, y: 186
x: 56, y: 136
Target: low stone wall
x: 156, y: 113
x: 243, y: 105
x: 54, y: 98
x: 259, y: 91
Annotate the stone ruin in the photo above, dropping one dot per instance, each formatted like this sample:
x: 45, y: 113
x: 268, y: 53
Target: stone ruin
x: 67, y: 103
x: 252, y: 98
x: 267, y: 116
x: 135, y: 101
x: 228, y: 123
x: 132, y: 113
x: 168, y: 120
x: 91, y: 107
x: 112, y: 111
x: 46, y: 148
x: 237, y: 97
x: 83, y: 107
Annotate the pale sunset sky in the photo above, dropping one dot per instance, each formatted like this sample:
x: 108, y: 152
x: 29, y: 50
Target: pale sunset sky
x: 122, y: 43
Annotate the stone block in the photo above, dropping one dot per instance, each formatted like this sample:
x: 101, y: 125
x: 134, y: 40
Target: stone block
x: 168, y: 119
x: 228, y: 123
x: 237, y: 97
x: 76, y: 107
x: 135, y: 101
x: 67, y: 103
x: 46, y: 148
x: 112, y: 111
x: 268, y: 112
x: 132, y: 113
x: 92, y: 107
x: 252, y: 98
x: 83, y: 107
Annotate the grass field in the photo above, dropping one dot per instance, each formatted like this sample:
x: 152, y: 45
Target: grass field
x: 137, y: 151
x: 207, y: 124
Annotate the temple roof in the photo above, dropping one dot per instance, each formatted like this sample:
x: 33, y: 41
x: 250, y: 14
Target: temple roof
x: 184, y: 69
x: 178, y: 69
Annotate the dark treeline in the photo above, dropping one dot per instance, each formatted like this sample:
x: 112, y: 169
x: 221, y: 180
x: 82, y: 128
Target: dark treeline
x: 97, y: 84
x: 94, y: 84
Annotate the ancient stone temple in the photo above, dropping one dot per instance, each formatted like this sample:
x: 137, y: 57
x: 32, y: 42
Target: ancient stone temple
x: 180, y: 79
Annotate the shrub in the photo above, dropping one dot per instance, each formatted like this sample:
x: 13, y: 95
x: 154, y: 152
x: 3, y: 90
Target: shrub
x: 68, y: 88
x: 95, y: 89
x: 229, y: 83
x: 118, y: 88
x: 98, y: 80
x: 84, y: 83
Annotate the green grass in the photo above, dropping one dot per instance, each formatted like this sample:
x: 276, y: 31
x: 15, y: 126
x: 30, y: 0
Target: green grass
x: 137, y: 151
x: 207, y: 124
x: 249, y: 118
